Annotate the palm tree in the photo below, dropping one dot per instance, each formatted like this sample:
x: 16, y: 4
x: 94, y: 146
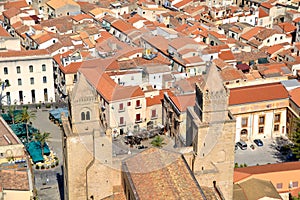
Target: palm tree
x: 11, y: 110
x: 26, y: 117
x: 42, y: 138
x: 157, y: 141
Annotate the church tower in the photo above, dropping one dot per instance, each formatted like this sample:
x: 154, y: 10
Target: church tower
x: 87, y: 148
x: 211, y: 130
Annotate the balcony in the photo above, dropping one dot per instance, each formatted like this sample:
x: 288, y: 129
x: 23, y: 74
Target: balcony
x: 138, y: 106
x: 122, y: 124
x: 154, y: 116
x: 138, y: 120
x: 121, y: 110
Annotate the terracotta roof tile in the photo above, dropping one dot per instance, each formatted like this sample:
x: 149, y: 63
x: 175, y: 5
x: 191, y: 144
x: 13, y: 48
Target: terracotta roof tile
x: 60, y: 3
x: 275, y: 48
x: 230, y: 74
x: 123, y: 26
x: 72, y: 68
x: 262, y: 13
x: 251, y: 33
x: 16, y: 4
x: 257, y: 93
x: 157, y: 100
x: 287, y: 27
x: 269, y: 168
x: 226, y: 55
x: 109, y: 89
x: 182, y: 4
x: 23, y: 53
x: 4, y: 33
x: 14, y: 180
x: 295, y: 96
x: 180, y: 42
x: 11, y: 12
x: 167, y: 173
x: 183, y: 101
x: 80, y: 17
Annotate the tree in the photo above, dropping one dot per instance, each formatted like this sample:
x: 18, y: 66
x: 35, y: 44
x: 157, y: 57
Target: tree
x: 11, y: 110
x: 3, y: 85
x: 295, y: 137
x: 26, y: 117
x: 157, y: 141
x: 42, y: 138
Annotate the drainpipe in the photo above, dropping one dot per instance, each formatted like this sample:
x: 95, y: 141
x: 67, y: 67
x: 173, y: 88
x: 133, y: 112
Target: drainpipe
x: 272, y: 128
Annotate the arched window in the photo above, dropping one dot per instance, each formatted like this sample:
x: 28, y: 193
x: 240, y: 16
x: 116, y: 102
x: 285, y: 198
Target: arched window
x: 82, y: 116
x: 88, y: 116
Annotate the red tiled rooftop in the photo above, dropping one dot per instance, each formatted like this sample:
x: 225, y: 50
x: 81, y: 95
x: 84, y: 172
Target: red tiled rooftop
x: 122, y: 26
x: 269, y: 168
x: 160, y: 174
x: 287, y: 27
x: 257, y: 93
x: 295, y: 96
x: 251, y: 33
x: 156, y: 100
x: 14, y: 180
x: 23, y: 53
x: 183, y: 101
x: 4, y: 33
x: 80, y: 17
x: 72, y: 68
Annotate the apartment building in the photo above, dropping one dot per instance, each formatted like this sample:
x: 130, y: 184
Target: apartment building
x: 28, y: 76
x: 260, y: 111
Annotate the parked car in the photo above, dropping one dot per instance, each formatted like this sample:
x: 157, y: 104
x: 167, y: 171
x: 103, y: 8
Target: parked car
x: 242, y: 145
x: 258, y: 142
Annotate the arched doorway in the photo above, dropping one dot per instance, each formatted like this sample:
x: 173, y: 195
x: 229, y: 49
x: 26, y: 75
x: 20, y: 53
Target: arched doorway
x: 244, y: 134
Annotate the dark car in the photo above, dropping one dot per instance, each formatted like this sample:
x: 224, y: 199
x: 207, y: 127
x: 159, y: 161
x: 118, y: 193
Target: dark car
x: 258, y: 142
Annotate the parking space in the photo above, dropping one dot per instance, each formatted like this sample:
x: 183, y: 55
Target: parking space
x: 268, y: 153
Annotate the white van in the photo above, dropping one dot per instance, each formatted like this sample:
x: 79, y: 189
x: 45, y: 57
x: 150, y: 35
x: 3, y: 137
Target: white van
x: 242, y: 145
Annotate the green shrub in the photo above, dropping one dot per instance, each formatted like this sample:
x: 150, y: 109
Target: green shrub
x: 42, y: 167
x: 236, y: 165
x: 48, y: 105
x: 56, y: 163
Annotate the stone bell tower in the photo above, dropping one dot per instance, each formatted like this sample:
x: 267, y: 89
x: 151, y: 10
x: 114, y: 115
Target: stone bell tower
x: 87, y: 148
x: 211, y: 128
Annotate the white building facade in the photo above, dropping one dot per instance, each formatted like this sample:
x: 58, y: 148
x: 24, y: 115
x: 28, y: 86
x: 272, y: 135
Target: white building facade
x: 28, y: 76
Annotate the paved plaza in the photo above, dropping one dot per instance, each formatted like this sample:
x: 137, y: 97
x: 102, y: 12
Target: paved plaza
x: 260, y: 155
x: 49, y: 183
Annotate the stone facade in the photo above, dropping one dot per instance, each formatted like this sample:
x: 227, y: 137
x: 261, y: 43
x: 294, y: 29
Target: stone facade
x: 89, y: 173
x: 211, y: 128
